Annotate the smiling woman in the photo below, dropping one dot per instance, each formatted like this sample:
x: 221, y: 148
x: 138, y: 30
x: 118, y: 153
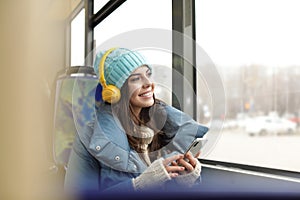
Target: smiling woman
x: 135, y: 141
x: 198, y: 51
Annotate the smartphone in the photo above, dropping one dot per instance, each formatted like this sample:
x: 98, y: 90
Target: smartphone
x: 196, y: 146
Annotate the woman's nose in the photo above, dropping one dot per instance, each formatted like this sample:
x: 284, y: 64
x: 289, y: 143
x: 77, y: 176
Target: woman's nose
x: 146, y: 81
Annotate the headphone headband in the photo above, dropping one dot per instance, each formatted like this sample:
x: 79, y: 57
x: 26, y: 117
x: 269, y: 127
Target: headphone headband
x: 101, y: 67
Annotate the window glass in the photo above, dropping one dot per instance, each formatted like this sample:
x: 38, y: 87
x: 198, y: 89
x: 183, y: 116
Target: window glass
x: 129, y: 19
x: 98, y: 4
x: 77, y: 39
x: 255, y: 46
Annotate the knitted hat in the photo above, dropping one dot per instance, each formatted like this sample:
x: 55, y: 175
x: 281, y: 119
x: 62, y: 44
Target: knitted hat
x: 119, y: 64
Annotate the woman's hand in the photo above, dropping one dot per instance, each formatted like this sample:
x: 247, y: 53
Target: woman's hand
x: 180, y: 164
x: 188, y: 162
x: 171, y: 165
x: 192, y: 170
x: 162, y: 170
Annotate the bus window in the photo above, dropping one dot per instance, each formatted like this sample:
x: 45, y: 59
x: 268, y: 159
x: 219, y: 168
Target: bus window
x: 77, y: 39
x: 138, y: 15
x: 255, y: 45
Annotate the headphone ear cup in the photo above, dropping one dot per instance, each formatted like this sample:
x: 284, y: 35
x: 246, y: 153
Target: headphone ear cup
x: 111, y: 94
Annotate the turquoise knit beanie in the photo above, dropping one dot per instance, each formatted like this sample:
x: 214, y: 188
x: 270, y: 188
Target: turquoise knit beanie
x: 119, y: 64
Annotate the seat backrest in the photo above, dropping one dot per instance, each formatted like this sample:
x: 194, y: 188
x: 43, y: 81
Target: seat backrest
x: 73, y: 106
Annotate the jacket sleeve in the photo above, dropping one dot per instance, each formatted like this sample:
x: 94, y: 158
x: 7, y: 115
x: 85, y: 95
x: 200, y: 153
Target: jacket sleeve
x: 84, y: 171
x: 182, y: 129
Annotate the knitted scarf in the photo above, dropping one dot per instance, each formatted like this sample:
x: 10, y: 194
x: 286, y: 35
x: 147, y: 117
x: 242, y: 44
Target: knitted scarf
x: 146, y: 135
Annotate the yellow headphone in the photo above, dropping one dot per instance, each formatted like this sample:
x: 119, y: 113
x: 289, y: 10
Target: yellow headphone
x: 110, y: 93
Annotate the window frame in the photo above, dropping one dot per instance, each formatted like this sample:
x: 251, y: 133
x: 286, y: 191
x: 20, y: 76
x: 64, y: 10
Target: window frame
x: 183, y: 21
x: 72, y: 16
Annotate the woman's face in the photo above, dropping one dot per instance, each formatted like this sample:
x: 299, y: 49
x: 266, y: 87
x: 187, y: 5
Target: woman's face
x: 141, y: 89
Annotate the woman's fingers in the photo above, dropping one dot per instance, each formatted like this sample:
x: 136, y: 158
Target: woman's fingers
x: 197, y: 154
x: 191, y: 159
x: 186, y: 165
x: 173, y: 175
x: 178, y: 163
x: 189, y: 162
x: 171, y: 165
x: 169, y: 160
x: 174, y: 163
x: 174, y: 169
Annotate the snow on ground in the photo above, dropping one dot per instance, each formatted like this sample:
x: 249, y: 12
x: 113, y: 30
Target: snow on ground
x: 280, y: 152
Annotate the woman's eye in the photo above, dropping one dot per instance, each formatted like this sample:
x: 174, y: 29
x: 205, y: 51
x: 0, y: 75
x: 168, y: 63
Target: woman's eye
x: 135, y: 79
x: 149, y: 74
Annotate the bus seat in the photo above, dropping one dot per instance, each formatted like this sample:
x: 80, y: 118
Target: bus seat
x: 74, y: 95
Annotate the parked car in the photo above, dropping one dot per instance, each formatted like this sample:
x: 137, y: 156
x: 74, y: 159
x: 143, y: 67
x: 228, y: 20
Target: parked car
x: 296, y: 120
x: 265, y: 125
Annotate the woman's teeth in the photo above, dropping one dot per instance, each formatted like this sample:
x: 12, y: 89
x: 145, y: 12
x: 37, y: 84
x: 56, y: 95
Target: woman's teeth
x: 147, y: 94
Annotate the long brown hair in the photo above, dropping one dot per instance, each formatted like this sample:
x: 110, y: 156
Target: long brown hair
x: 149, y: 116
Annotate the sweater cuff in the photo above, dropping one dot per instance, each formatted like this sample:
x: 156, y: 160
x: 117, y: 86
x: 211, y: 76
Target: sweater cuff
x: 190, y: 178
x: 155, y: 175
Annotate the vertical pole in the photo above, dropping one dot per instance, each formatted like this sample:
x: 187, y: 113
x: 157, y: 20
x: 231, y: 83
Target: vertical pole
x: 89, y: 32
x: 184, y: 83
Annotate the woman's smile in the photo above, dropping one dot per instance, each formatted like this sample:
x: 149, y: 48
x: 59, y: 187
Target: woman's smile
x: 148, y: 94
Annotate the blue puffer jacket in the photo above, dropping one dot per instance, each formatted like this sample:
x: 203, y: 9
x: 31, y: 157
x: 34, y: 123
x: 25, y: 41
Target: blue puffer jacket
x: 102, y: 160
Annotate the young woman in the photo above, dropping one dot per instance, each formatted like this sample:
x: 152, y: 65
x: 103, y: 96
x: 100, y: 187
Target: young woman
x: 136, y: 141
